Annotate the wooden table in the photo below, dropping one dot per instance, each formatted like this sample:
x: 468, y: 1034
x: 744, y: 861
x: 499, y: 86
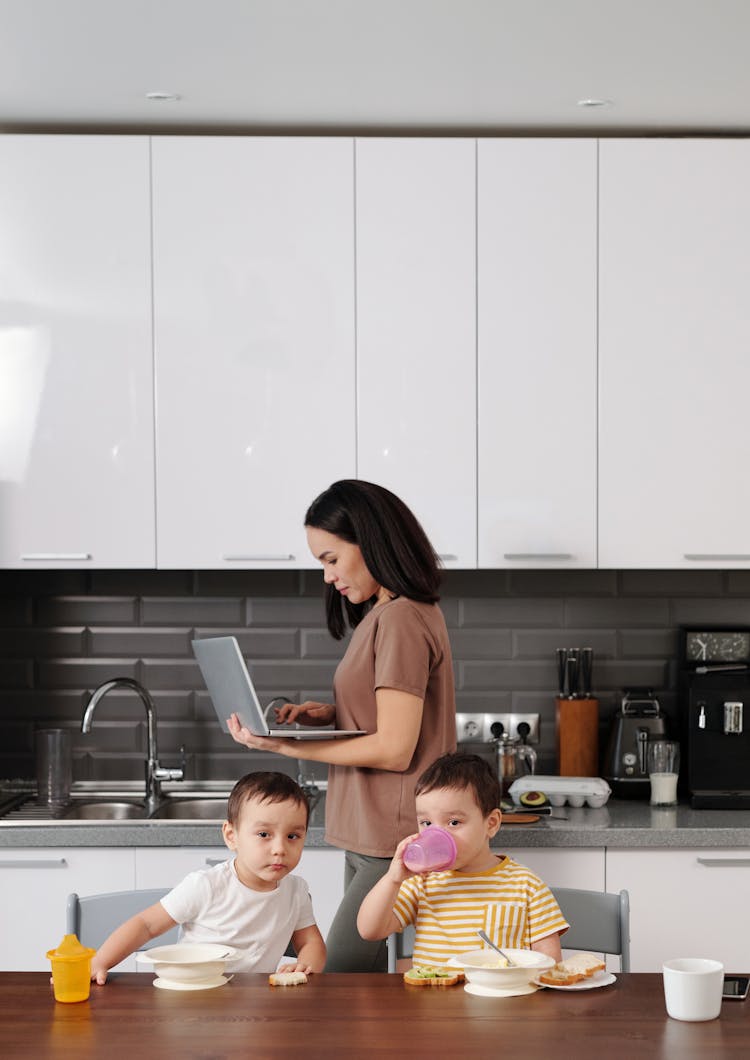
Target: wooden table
x: 355, y: 1016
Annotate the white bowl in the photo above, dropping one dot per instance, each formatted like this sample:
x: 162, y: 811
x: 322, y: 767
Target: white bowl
x: 482, y: 968
x: 187, y: 962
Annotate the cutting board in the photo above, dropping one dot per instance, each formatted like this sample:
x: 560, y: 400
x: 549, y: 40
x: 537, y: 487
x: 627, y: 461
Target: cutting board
x: 520, y: 818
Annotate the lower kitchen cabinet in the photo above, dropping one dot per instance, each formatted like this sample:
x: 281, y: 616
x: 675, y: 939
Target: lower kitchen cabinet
x: 324, y: 872
x: 322, y: 869
x: 166, y: 866
x: 35, y: 887
x: 684, y: 903
x: 564, y: 868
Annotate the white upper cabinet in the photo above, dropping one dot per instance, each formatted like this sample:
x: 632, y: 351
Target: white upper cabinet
x: 674, y: 353
x: 537, y: 352
x: 76, y: 389
x: 254, y: 343
x: 416, y: 332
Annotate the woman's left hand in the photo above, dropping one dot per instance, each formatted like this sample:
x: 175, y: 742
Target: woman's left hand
x: 242, y: 735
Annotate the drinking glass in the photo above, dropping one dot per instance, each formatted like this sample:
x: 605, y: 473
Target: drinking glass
x: 663, y: 760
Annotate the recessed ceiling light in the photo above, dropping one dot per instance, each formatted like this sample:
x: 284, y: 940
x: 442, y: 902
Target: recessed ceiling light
x: 162, y: 97
x: 594, y: 103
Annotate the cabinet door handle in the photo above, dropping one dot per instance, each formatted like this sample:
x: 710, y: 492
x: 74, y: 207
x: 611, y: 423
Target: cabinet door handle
x: 538, y: 555
x: 215, y: 861
x: 33, y: 863
x: 717, y: 557
x: 720, y: 863
x: 32, y: 557
x: 447, y: 557
x: 259, y: 559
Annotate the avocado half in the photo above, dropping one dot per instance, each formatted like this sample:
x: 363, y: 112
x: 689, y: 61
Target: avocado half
x: 533, y: 798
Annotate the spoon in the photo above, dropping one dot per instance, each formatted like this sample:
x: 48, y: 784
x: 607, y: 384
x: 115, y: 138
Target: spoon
x: 485, y: 938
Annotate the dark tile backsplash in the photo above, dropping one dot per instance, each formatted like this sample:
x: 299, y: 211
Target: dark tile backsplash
x: 64, y: 632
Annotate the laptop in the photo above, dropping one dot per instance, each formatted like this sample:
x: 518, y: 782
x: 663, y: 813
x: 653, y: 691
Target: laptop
x: 232, y: 692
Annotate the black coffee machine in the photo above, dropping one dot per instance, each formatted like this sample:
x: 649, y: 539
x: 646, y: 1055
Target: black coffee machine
x: 715, y: 714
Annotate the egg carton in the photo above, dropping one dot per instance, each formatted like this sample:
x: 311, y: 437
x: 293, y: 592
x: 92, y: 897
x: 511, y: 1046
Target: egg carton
x: 576, y: 791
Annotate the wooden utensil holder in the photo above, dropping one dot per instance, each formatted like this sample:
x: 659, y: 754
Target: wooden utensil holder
x: 577, y: 737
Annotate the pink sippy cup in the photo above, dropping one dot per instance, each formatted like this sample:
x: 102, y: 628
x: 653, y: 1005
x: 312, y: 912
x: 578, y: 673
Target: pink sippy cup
x: 433, y: 851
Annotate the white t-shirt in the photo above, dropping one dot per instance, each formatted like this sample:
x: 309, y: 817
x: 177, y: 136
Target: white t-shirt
x: 212, y: 905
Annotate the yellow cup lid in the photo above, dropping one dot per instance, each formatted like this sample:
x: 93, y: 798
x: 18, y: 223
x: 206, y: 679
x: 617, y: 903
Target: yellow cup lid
x: 70, y: 949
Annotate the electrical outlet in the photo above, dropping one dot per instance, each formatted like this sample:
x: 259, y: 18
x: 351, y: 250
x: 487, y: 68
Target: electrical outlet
x: 476, y: 728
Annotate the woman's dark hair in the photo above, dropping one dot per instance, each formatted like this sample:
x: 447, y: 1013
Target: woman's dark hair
x: 395, y: 548
x: 459, y: 770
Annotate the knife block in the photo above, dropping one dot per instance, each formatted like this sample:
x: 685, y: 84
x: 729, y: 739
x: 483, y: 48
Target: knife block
x: 577, y: 737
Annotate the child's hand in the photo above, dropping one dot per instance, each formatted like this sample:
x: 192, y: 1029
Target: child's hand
x: 397, y: 871
x: 296, y: 966
x: 98, y: 973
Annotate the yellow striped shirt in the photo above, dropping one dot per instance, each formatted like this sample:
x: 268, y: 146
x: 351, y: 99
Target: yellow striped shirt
x: 508, y: 901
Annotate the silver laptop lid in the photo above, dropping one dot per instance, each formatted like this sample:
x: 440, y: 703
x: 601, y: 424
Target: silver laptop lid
x: 229, y: 683
x: 232, y: 692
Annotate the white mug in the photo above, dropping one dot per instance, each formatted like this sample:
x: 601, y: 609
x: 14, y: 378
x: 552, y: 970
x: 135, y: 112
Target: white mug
x: 692, y: 988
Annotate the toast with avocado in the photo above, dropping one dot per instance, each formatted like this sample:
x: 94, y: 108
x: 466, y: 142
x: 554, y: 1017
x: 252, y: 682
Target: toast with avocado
x: 431, y: 975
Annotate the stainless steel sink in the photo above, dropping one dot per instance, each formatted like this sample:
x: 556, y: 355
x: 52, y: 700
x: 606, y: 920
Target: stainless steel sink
x: 191, y: 810
x: 124, y: 802
x: 106, y: 810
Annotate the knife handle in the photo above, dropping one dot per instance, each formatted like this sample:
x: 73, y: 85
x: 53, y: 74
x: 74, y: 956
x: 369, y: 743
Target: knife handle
x: 572, y: 664
x: 562, y: 656
x: 587, y: 663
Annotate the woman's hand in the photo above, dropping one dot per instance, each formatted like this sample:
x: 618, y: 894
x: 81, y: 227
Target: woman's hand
x: 308, y: 713
x: 242, y: 735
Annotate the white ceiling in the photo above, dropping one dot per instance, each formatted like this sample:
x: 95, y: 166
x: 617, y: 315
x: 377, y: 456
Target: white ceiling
x: 361, y: 65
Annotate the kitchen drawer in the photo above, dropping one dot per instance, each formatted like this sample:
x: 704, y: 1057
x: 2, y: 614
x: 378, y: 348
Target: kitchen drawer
x: 35, y: 887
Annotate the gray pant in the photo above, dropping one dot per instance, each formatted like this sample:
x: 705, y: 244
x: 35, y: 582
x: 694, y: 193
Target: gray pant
x: 347, y: 950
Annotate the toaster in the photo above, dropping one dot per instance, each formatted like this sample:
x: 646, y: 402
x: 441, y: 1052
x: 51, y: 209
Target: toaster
x: 625, y: 766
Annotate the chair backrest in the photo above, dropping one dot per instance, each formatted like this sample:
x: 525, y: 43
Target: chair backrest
x: 599, y: 921
x: 95, y: 916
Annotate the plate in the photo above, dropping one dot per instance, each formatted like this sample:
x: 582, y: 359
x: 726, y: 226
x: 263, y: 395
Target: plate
x: 200, y: 984
x: 597, y: 979
x: 488, y: 991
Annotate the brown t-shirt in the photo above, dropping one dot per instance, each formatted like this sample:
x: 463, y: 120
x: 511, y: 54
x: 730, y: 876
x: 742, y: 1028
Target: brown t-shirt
x: 404, y: 645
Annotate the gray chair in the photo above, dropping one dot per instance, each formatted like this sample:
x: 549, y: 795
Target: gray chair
x: 599, y: 921
x: 95, y: 916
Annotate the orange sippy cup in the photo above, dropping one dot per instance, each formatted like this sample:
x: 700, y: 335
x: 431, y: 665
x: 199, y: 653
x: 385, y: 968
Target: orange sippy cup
x: 71, y: 969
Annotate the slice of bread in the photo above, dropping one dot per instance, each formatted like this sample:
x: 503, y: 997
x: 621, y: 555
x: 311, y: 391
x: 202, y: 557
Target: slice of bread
x: 560, y: 977
x: 428, y: 975
x: 573, y: 970
x: 588, y: 963
x: 287, y: 978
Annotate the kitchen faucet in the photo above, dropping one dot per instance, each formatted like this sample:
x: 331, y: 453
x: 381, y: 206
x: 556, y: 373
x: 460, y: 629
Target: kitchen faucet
x: 155, y: 773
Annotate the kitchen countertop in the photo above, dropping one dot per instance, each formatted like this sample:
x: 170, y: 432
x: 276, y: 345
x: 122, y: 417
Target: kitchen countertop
x: 619, y: 824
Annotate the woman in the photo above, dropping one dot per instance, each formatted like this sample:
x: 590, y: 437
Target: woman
x: 395, y: 682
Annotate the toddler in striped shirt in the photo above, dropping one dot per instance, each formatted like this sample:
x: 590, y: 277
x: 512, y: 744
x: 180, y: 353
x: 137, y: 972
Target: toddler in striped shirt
x: 483, y: 889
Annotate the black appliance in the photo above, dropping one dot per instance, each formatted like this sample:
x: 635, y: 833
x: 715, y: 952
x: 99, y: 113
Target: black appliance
x: 625, y: 765
x: 715, y: 710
